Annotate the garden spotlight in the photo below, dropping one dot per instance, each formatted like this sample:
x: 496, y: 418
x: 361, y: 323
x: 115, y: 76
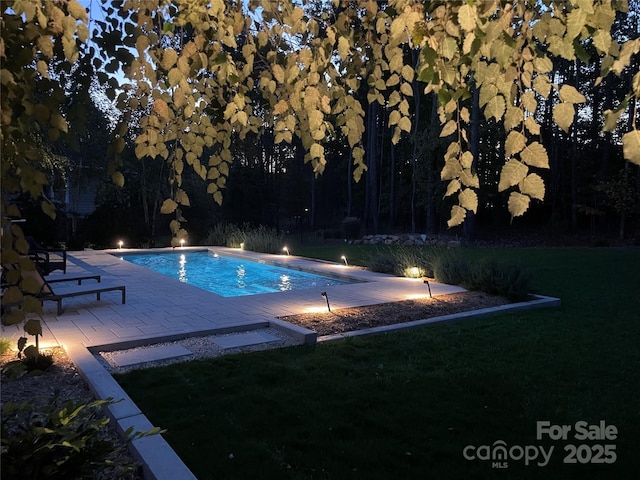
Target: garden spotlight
x: 324, y: 294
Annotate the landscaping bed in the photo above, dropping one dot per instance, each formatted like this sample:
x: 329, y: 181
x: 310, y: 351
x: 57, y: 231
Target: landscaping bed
x: 344, y: 320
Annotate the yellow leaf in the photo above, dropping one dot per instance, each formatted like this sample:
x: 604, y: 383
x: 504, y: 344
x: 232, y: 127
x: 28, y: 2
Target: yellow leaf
x: 174, y: 77
x: 513, y: 118
x: 542, y: 85
x: 532, y: 126
x: 408, y: 73
x: 468, y: 200
x: 316, y: 151
x: 343, y: 47
x: 394, y: 117
x: 458, y: 215
x: 161, y: 108
x: 43, y: 68
x: 406, y: 89
x: 533, y: 185
x: 515, y: 143
x: 535, y: 155
x: 453, y: 187
x: 528, y: 101
x: 182, y: 198
x: 466, y: 160
x: 518, y: 204
x: 469, y: 179
x: 315, y: 119
x: 278, y: 73
x: 451, y: 169
x: 542, y: 64
x: 168, y: 206
x: 448, y: 129
x: 405, y: 124
x: 217, y: 197
x: 512, y: 173
x: 118, y: 179
x: 169, y: 59
x: 631, y: 146
x: 280, y: 107
x: 242, y: 118
x: 563, y: 114
x: 495, y: 108
x: 467, y: 17
x: 569, y: 94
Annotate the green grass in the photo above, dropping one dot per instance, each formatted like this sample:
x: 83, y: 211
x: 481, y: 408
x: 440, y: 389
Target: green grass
x: 404, y: 405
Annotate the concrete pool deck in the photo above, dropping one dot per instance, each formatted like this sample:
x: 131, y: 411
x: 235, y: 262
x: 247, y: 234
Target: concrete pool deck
x: 160, y: 309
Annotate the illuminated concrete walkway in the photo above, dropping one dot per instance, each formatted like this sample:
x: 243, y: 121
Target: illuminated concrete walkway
x: 159, y: 308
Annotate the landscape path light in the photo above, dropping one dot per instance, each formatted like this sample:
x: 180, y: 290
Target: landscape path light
x: 286, y: 250
x: 428, y: 286
x: 120, y: 243
x: 344, y: 259
x: 324, y: 294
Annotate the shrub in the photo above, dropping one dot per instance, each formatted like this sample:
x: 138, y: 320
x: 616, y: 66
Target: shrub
x: 5, y: 345
x: 60, y: 442
x: 263, y: 239
x: 257, y: 239
x: 496, y: 277
x: 449, y: 266
x: 225, y: 235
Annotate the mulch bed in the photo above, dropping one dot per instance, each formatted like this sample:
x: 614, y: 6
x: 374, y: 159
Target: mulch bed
x: 358, y: 318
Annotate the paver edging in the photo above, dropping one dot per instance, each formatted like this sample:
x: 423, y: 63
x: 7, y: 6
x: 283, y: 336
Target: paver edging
x: 159, y: 461
x: 541, y: 301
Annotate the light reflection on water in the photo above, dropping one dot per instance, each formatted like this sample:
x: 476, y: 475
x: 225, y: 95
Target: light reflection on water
x: 182, y: 273
x: 229, y: 276
x: 240, y: 274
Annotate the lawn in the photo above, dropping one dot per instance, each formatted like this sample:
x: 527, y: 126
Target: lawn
x: 405, y: 405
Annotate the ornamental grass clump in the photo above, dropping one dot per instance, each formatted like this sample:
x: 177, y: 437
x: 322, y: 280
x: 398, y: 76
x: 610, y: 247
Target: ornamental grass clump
x: 497, y: 277
x: 256, y: 239
x: 452, y: 266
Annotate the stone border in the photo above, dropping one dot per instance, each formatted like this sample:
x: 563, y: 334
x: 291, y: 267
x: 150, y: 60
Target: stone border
x: 540, y: 301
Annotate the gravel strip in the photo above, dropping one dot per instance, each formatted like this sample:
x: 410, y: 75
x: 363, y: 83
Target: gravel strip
x: 202, y: 347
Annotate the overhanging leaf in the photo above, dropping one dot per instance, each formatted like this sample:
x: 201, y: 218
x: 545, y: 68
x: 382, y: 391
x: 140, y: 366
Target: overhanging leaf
x: 458, y: 215
x: 33, y: 327
x: 535, y: 155
x: 495, y: 108
x: 448, y: 129
x: 518, y: 204
x: 533, y: 186
x: 453, y: 187
x: 631, y: 146
x: 168, y: 206
x: 569, y: 94
x: 468, y: 199
x: 563, y: 114
x: 515, y: 143
x: 512, y: 173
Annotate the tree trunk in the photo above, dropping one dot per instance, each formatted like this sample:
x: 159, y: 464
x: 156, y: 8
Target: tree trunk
x: 469, y: 225
x: 431, y: 220
x: 371, y: 190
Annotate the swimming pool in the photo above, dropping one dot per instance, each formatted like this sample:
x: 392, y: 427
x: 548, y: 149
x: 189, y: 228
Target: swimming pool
x: 229, y: 276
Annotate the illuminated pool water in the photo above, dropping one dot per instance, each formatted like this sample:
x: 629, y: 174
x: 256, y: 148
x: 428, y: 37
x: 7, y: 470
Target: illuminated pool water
x: 229, y: 276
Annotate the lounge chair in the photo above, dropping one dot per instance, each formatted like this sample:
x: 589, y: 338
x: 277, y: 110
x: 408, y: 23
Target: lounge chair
x: 46, y: 292
x: 47, y: 259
